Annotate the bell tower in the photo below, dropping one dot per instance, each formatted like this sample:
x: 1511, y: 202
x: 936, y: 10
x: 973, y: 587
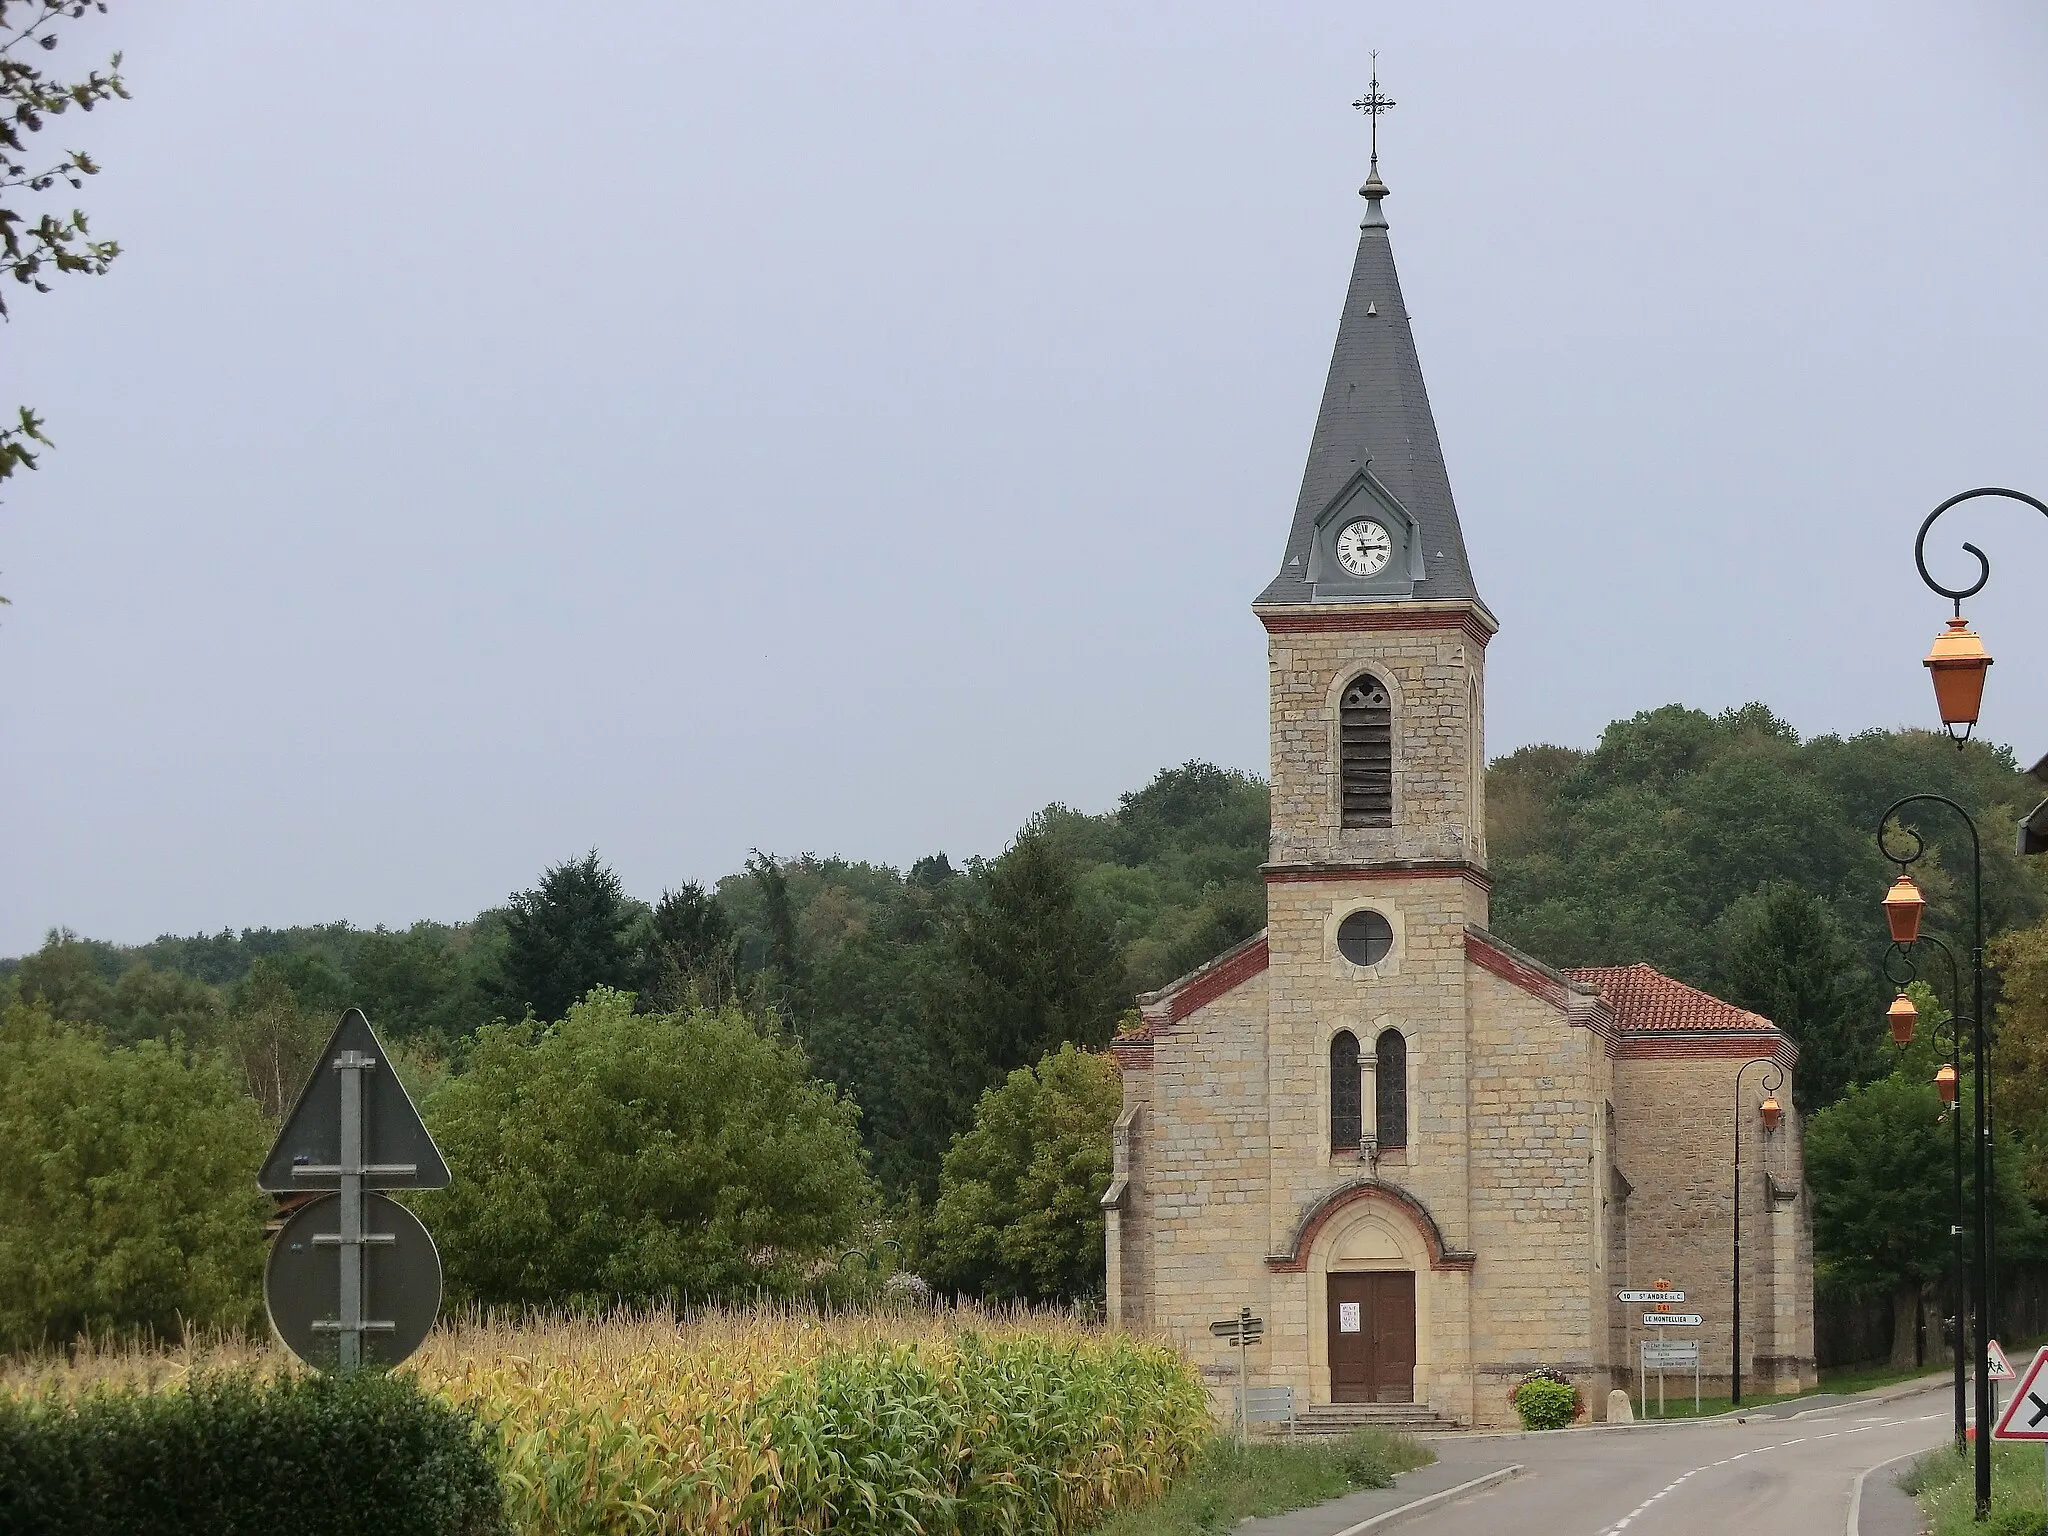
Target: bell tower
x: 1376, y: 873
x: 1377, y: 633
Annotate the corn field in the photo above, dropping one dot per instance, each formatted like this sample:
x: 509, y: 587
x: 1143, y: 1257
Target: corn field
x: 764, y: 1422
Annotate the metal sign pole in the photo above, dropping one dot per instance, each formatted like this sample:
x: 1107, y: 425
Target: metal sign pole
x: 1244, y: 1326
x: 351, y: 1065
x: 351, y: 1341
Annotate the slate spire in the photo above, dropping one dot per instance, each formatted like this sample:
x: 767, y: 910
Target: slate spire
x: 1375, y: 418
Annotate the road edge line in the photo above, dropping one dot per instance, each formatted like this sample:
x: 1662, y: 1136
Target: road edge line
x: 1385, y: 1518
x: 1855, y: 1525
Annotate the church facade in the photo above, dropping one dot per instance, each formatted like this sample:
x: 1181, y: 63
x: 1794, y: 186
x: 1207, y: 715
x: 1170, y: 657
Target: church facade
x: 1428, y: 1161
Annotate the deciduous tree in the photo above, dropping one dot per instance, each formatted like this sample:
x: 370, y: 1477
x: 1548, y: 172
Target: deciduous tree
x: 38, y: 241
x: 1018, y: 1214
x: 127, y: 1186
x: 623, y: 1155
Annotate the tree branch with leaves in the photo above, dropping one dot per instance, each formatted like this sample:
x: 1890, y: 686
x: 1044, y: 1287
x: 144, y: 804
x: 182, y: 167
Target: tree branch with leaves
x: 38, y: 242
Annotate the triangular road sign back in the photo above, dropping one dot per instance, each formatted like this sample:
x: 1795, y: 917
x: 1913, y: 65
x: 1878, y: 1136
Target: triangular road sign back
x: 396, y: 1145
x: 1994, y: 1357
x: 2026, y: 1416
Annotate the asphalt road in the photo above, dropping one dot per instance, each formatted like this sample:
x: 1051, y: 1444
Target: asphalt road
x: 1768, y: 1477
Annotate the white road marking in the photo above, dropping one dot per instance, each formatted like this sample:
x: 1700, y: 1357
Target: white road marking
x: 1861, y: 1426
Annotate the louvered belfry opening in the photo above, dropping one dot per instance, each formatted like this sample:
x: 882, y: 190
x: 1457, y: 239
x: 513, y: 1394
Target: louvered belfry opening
x: 1367, y: 762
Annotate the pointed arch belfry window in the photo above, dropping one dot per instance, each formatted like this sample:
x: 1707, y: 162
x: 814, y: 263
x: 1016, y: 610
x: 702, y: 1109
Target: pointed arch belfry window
x: 1390, y: 1089
x: 1366, y: 757
x: 1347, y: 1100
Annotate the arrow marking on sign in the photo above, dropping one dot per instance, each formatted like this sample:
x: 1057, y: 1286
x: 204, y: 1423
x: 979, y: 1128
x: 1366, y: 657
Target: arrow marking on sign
x: 2028, y: 1397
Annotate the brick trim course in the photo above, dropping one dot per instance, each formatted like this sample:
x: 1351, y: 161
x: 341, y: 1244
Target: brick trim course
x: 1296, y: 621
x: 1295, y: 1260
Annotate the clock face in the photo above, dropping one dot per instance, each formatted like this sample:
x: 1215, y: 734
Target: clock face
x: 1363, y: 548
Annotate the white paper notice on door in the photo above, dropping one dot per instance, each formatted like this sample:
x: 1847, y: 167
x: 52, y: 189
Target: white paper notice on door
x: 1347, y: 1317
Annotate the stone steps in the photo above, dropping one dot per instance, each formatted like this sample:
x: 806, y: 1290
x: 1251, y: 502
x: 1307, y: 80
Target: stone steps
x: 1343, y: 1418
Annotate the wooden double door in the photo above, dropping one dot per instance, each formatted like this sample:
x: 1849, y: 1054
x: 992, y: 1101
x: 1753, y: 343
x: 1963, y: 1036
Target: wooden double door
x: 1372, y: 1337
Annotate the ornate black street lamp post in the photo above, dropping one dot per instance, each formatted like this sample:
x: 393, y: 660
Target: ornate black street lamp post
x: 1945, y: 1087
x: 1903, y: 908
x: 1768, y: 1112
x: 1957, y: 664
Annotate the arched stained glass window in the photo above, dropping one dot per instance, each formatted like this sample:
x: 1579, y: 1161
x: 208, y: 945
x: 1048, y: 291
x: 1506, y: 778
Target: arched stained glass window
x: 1347, y: 1107
x: 1390, y: 1088
x: 1366, y: 759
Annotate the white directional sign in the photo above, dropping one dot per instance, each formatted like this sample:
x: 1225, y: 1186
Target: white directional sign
x: 2026, y: 1416
x: 1649, y: 1296
x: 1676, y: 1355
x: 1672, y: 1319
x: 2000, y: 1367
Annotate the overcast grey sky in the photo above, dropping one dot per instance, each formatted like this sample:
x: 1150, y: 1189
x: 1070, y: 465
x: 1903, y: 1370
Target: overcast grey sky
x: 677, y: 429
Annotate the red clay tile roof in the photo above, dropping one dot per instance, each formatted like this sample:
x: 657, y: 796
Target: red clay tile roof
x: 1643, y: 998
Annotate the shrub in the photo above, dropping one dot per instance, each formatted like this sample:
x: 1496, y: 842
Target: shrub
x: 628, y: 1156
x: 1019, y: 1213
x: 236, y: 1455
x: 127, y: 1196
x: 1546, y: 1403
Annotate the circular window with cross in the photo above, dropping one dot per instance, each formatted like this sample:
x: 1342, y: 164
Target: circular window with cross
x: 1365, y: 938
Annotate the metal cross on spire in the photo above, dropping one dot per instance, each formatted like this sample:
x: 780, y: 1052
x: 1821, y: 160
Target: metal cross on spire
x: 1372, y: 104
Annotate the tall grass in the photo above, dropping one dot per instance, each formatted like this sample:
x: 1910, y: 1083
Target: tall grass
x: 765, y: 1422
x: 1943, y: 1483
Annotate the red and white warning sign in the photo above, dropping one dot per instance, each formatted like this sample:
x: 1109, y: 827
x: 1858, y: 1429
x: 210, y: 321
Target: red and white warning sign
x: 2026, y: 1416
x: 1994, y: 1357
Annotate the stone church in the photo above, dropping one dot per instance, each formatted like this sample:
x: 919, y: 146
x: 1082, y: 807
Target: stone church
x: 1427, y: 1160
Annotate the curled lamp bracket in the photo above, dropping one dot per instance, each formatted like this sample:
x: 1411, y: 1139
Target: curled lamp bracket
x: 1957, y: 594
x: 1891, y: 828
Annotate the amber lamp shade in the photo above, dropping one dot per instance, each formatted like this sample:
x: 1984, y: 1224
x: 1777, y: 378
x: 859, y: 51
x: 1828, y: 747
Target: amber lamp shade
x: 1903, y: 1016
x: 1903, y: 905
x: 1945, y: 1083
x: 1958, y: 663
x: 1770, y: 1112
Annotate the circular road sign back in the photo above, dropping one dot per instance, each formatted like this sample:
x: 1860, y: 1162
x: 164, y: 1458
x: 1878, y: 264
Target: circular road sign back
x: 401, y: 1282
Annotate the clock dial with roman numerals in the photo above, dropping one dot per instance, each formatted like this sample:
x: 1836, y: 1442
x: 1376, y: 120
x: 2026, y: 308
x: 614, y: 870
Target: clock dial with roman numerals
x: 1363, y: 548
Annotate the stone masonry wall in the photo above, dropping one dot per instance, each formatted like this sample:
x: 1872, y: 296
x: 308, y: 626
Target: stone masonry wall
x: 1205, y: 1156
x: 1435, y: 678
x: 1675, y: 1122
x: 1539, y: 1086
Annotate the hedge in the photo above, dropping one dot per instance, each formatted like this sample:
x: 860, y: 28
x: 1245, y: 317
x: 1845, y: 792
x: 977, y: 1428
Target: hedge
x: 236, y: 1455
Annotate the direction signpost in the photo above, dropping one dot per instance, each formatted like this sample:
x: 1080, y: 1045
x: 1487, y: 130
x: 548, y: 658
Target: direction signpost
x: 2026, y: 1416
x: 1240, y: 1333
x: 353, y: 1132
x: 1663, y: 1352
x: 1666, y: 1354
